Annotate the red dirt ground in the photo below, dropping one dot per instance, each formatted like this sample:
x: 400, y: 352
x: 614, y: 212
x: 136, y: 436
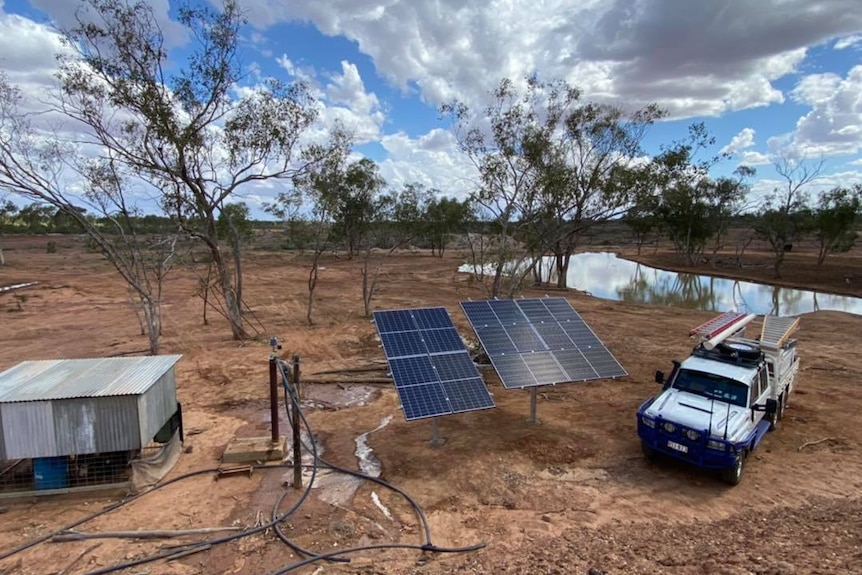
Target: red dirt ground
x: 571, y: 495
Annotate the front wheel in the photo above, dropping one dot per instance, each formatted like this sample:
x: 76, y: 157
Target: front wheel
x: 733, y: 475
x: 649, y: 452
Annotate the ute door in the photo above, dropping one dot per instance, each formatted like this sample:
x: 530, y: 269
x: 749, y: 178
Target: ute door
x: 758, y: 394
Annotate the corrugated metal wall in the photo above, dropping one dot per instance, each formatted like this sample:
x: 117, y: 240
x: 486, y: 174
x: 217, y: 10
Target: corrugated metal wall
x: 2, y: 440
x: 28, y: 428
x: 76, y: 426
x: 157, y: 405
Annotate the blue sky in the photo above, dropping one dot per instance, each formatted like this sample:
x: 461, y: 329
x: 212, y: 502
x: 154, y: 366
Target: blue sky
x: 768, y: 77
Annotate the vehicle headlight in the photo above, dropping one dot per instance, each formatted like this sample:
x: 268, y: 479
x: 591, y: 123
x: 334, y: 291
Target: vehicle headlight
x: 647, y: 421
x: 668, y: 426
x: 718, y: 445
x: 692, y: 434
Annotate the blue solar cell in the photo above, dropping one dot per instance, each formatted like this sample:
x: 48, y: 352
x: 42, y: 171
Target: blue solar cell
x: 545, y: 342
x: 544, y: 368
x: 553, y: 336
x: 603, y: 362
x: 535, y: 310
x: 576, y: 365
x: 452, y: 366
x: 398, y: 344
x: 426, y: 400
x: 479, y: 313
x: 507, y: 311
x: 495, y: 340
x: 581, y: 334
x: 432, y: 318
x: 561, y: 308
x: 513, y: 372
x: 394, y: 320
x: 467, y: 394
x: 408, y: 371
x: 442, y: 340
x: 412, y: 340
x: 525, y: 338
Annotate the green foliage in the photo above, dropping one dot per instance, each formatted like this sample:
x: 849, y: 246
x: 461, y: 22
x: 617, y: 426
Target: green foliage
x: 834, y: 220
x: 690, y: 206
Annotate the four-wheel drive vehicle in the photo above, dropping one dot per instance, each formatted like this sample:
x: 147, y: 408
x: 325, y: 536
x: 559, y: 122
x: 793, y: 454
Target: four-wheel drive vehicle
x: 717, y: 405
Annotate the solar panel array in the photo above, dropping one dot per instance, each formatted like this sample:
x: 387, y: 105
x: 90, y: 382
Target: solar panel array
x: 539, y: 341
x: 432, y: 369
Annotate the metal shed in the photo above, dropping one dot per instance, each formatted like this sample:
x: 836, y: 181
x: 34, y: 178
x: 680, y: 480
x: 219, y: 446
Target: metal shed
x: 81, y: 406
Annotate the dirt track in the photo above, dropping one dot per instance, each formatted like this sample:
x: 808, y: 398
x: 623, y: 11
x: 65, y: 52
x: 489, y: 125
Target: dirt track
x: 566, y: 496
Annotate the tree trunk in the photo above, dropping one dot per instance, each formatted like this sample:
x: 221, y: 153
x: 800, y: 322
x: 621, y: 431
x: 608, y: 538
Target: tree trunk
x: 153, y: 318
x: 231, y: 303
x: 312, y: 285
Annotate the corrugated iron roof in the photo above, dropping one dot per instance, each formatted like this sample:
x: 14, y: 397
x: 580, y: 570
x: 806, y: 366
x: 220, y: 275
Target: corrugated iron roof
x: 70, y: 378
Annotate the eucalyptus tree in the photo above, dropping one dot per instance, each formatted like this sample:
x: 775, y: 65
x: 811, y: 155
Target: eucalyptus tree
x: 835, y: 220
x: 35, y: 165
x: 502, y: 145
x: 590, y: 175
x: 180, y: 125
x: 692, y: 206
x: 784, y: 216
x: 444, y: 216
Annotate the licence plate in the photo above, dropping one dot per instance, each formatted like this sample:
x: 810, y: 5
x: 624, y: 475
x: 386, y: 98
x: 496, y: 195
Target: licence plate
x: 677, y: 446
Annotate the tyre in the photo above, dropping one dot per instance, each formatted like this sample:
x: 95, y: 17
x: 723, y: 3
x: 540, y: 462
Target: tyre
x: 649, y: 452
x: 733, y: 475
x: 739, y: 349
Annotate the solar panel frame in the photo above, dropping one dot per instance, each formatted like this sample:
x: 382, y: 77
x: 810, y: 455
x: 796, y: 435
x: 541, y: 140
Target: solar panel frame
x: 432, y: 369
x: 540, y: 341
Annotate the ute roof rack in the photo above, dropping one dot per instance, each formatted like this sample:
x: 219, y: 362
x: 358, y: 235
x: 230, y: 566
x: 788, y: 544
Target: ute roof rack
x: 776, y: 331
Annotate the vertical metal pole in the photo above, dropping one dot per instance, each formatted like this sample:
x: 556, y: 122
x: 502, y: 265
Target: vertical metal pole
x: 297, y: 438
x: 532, y: 406
x: 273, y: 396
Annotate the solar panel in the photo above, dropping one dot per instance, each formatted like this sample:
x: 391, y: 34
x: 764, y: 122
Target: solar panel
x: 539, y: 341
x: 432, y: 369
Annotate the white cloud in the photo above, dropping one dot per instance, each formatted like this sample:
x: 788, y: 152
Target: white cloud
x: 856, y: 162
x: 752, y: 158
x: 741, y: 141
x: 432, y: 160
x: 848, y: 42
x: 834, y: 124
x: 695, y: 58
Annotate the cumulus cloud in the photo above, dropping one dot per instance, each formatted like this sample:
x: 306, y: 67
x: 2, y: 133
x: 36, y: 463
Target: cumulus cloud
x: 431, y: 159
x: 848, y: 42
x: 834, y: 124
x: 741, y: 141
x: 695, y: 58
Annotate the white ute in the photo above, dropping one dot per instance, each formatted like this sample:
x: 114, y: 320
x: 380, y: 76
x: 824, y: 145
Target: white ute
x: 717, y: 405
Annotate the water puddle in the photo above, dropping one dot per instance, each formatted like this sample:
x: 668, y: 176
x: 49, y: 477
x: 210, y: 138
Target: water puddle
x: 606, y: 276
x: 337, y: 488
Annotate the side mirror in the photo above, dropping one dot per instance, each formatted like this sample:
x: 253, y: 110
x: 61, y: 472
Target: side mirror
x: 659, y: 377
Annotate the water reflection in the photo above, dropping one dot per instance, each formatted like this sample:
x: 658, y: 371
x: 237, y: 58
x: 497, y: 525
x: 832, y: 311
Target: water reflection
x: 606, y: 276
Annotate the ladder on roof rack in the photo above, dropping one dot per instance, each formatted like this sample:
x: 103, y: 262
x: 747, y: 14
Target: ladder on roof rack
x: 777, y: 330
x: 716, y: 325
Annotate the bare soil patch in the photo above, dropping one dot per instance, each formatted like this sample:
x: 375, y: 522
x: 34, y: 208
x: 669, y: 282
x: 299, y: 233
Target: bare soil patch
x: 565, y: 496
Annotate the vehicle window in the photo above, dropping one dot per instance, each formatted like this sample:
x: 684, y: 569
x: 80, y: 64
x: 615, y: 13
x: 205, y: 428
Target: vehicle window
x: 764, y: 382
x: 712, y: 386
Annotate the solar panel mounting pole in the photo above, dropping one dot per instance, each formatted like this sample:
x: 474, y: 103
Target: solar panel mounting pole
x: 436, y: 440
x: 533, y: 406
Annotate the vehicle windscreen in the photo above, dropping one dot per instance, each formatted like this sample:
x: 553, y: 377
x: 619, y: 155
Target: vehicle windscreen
x: 712, y: 386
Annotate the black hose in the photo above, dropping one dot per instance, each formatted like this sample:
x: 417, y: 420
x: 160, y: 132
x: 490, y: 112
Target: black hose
x: 276, y: 518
